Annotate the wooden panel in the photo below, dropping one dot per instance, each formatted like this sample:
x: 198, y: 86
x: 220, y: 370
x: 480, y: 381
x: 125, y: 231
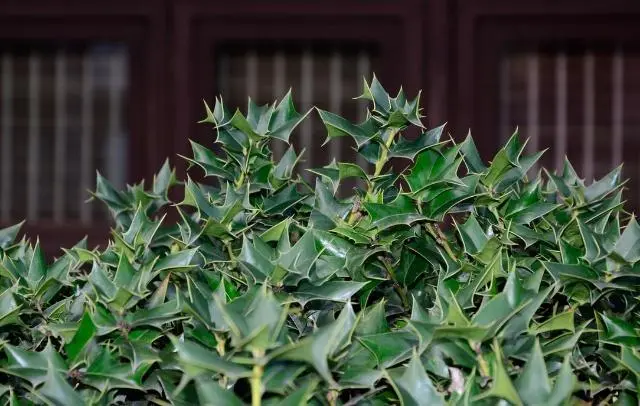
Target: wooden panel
x: 139, y: 25
x: 549, y: 68
x: 202, y: 28
x: 574, y: 104
x: 485, y: 29
x: 61, y: 120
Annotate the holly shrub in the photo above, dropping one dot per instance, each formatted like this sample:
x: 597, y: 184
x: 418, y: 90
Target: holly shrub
x: 439, y: 279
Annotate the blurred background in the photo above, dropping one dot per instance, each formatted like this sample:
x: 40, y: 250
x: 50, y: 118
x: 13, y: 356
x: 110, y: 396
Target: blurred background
x: 117, y: 86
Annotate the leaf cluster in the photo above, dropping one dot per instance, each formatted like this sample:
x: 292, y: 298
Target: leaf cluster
x: 450, y: 281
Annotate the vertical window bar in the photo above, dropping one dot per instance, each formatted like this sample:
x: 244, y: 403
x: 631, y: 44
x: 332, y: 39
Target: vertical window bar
x: 223, y: 74
x: 252, y: 74
x: 335, y: 99
x: 86, y: 143
x: 117, y: 147
x: 60, y: 136
x: 279, y: 89
x: 33, y: 155
x: 589, y: 129
x: 307, y: 102
x: 363, y: 69
x: 6, y: 132
x: 618, y: 106
x: 505, y: 98
x: 533, y: 102
x: 560, y: 147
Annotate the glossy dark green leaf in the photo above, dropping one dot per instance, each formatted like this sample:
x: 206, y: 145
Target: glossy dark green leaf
x: 404, y: 148
x: 156, y: 316
x: 285, y: 119
x: 299, y: 396
x: 471, y: 156
x: 472, y: 235
x: 628, y: 246
x: 324, y: 343
x: 504, y: 160
x: 9, y: 308
x: 33, y: 366
x: 400, y: 211
x: 533, y: 384
x: 37, y: 266
x: 564, y: 384
x: 338, y: 291
x: 533, y: 212
x: 327, y: 210
x: 58, y: 391
x: 257, y: 258
x: 375, y: 92
x: 562, y: 321
x: 433, y: 168
x: 196, y: 360
x: 284, y: 169
x: 604, y: 186
x: 336, y: 172
x: 630, y: 359
x: 9, y: 234
x: 339, y: 127
x: 179, y: 261
x: 105, y: 371
x: 282, y: 200
x: 501, y: 385
x: 619, y: 331
x: 591, y: 246
x: 571, y: 272
x: 84, y: 334
x: 414, y: 386
x: 211, y: 164
x: 372, y: 320
x: 210, y: 393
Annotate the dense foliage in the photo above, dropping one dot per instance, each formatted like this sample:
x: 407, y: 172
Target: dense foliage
x: 447, y: 282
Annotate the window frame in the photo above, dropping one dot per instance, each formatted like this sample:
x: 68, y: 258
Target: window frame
x: 487, y: 27
x: 201, y: 27
x: 138, y: 24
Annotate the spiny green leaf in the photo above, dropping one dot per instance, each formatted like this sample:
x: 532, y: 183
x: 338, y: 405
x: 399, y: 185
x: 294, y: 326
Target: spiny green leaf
x: 210, y: 393
x: 285, y: 119
x: 472, y: 235
x: 404, y: 148
x: 179, y: 261
x: 84, y: 334
x: 324, y: 343
x: 58, y: 391
x: 414, y: 386
x: 628, y: 246
x: 533, y: 384
x: 338, y: 291
x: 402, y: 210
x: 340, y: 127
x: 501, y: 386
x: 197, y: 360
x: 8, y: 235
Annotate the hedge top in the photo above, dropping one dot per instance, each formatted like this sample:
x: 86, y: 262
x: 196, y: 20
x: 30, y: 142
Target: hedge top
x: 450, y: 281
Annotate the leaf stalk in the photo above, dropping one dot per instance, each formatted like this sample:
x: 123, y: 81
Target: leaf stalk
x: 441, y: 239
x: 256, y: 379
x: 384, y: 154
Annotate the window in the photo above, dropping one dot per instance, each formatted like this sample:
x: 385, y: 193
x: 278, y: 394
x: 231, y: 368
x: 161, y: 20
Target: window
x: 581, y: 95
x: 320, y: 49
x: 578, y: 102
x: 62, y: 117
x: 564, y: 72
